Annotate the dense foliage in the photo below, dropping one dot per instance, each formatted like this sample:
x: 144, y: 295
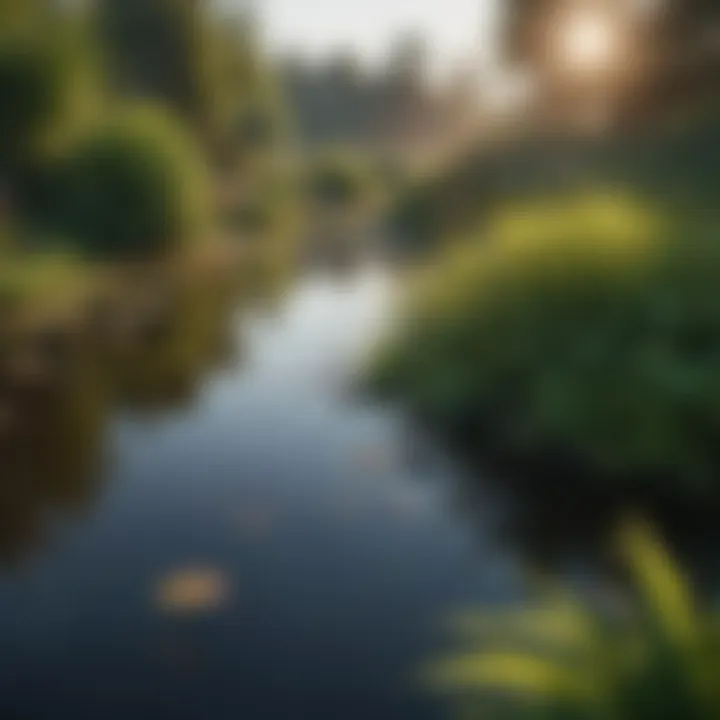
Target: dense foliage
x: 154, y: 49
x: 205, y: 64
x: 79, y: 166
x: 338, y: 180
x: 674, y: 163
x: 29, y: 87
x: 136, y: 187
x: 585, y: 330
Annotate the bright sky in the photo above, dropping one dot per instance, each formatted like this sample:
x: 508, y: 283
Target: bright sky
x: 455, y: 29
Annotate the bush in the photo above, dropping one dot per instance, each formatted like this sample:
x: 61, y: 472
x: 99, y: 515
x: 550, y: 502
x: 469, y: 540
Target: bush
x: 585, y: 331
x: 136, y: 188
x: 338, y: 181
x: 676, y: 165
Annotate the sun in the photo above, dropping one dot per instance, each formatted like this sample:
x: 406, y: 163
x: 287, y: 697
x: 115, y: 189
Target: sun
x: 587, y: 41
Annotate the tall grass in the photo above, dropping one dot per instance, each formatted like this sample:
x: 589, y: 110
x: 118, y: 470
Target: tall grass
x: 656, y: 659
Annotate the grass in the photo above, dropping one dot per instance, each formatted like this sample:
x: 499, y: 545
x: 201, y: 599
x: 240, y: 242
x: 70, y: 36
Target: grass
x: 657, y: 658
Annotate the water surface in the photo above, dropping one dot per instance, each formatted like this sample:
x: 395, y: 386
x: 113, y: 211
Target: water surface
x: 228, y: 531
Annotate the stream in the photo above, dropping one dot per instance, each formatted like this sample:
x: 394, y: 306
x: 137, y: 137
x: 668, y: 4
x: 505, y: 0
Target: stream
x: 245, y: 538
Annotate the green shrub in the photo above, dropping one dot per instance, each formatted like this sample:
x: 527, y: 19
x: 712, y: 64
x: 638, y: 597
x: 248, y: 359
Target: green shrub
x: 657, y: 659
x: 677, y: 165
x: 270, y: 210
x: 338, y: 181
x: 587, y: 330
x: 135, y: 188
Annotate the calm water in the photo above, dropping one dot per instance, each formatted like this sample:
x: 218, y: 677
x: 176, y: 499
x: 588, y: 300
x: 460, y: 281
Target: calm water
x: 226, y: 531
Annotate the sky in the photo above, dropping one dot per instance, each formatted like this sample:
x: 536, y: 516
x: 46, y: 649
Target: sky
x: 455, y: 29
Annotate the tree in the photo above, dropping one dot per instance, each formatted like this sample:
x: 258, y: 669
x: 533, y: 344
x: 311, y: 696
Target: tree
x: 49, y: 84
x: 155, y: 49
x: 203, y: 63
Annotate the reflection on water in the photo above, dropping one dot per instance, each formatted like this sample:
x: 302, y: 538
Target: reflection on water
x: 53, y: 441
x: 164, y: 372
x: 50, y: 453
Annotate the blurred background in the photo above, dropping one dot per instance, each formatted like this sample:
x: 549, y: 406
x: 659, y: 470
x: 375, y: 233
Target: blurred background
x: 359, y: 360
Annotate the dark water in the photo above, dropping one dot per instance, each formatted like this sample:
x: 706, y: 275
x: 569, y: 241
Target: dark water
x: 223, y: 530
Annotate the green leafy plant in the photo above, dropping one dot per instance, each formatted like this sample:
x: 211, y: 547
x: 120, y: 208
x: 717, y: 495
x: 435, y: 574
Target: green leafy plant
x: 135, y: 188
x: 657, y: 659
x: 584, y: 329
x: 338, y: 181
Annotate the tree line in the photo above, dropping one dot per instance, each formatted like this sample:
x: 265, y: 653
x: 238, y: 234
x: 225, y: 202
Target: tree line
x: 114, y: 110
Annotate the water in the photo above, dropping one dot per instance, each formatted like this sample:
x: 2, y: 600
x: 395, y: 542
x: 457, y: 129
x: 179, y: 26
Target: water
x: 235, y: 534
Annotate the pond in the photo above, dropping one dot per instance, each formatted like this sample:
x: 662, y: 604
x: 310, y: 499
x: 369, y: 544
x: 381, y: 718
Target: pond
x: 221, y: 528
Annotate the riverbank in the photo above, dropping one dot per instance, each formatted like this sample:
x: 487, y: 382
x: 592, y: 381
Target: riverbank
x: 575, y: 337
x: 59, y: 304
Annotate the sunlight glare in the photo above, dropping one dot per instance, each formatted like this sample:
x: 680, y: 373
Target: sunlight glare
x: 588, y: 41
